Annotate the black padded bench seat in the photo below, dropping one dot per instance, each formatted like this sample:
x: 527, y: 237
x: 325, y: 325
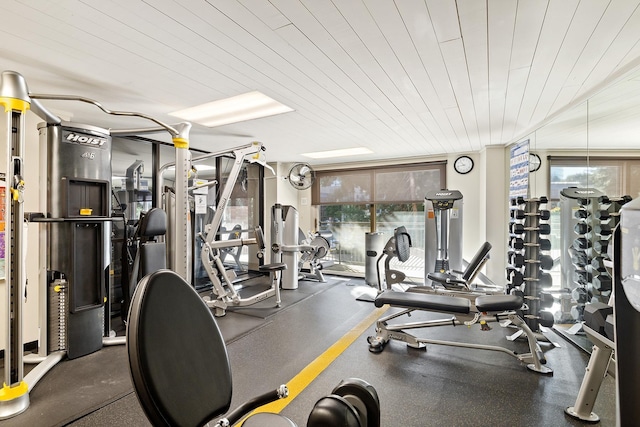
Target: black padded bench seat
x: 498, y: 302
x: 489, y: 303
x: 423, y: 301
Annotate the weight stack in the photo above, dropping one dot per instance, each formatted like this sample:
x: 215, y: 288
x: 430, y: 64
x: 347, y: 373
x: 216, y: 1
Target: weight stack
x: 58, y: 306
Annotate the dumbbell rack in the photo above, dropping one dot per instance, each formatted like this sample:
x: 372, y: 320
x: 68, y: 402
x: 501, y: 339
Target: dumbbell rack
x: 597, y: 215
x: 528, y: 264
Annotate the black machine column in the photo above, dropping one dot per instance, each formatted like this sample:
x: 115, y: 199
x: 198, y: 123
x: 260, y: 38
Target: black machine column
x: 443, y: 237
x: 78, y: 159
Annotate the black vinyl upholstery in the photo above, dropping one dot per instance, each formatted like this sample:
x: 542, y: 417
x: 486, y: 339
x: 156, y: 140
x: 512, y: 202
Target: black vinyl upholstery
x: 476, y: 262
x: 498, y: 303
x: 424, y: 301
x: 177, y: 356
x: 151, y: 255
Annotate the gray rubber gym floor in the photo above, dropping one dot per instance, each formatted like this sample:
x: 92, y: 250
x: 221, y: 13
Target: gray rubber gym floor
x: 443, y: 386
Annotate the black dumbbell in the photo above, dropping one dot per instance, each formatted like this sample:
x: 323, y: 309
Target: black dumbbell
x: 546, y: 300
x: 598, y: 264
x: 516, y: 243
x: 581, y: 243
x: 602, y: 282
x: 515, y: 228
x: 545, y: 244
x: 582, y: 214
x: 516, y: 259
x: 546, y: 319
x: 595, y: 316
x: 516, y: 278
x: 580, y: 295
x: 520, y: 214
x: 579, y: 258
x: 582, y: 228
x: 602, y: 229
x: 545, y: 280
x: 601, y: 246
x: 583, y: 201
x: 518, y: 201
x: 583, y: 276
x: 606, y: 213
x: 546, y: 262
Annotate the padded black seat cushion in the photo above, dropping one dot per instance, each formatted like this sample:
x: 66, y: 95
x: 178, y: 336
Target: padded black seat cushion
x: 178, y: 359
x: 498, y: 303
x: 423, y: 301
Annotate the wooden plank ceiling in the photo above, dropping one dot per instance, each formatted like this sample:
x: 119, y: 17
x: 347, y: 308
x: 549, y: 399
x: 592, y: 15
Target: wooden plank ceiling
x: 405, y: 78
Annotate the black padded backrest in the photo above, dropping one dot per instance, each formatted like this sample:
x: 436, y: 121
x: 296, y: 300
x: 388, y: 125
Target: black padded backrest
x: 153, y: 257
x: 153, y: 223
x: 477, y: 262
x: 177, y: 356
x: 403, y: 243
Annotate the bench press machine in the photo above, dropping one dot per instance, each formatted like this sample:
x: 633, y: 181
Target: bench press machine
x: 466, y: 310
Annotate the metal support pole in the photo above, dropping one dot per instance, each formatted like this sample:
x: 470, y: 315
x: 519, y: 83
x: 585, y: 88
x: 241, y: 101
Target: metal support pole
x: 14, y: 98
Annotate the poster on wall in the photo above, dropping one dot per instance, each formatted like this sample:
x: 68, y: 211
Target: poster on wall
x: 519, y: 170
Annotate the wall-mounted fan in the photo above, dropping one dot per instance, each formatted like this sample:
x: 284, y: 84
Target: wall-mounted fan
x: 301, y: 176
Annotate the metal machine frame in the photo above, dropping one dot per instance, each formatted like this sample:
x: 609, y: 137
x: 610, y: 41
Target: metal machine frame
x: 16, y: 99
x: 224, y: 293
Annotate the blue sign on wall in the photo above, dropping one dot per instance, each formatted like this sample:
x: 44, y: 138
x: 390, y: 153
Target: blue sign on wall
x: 519, y: 170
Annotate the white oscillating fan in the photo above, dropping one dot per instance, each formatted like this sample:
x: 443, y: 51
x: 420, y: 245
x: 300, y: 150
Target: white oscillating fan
x: 301, y: 176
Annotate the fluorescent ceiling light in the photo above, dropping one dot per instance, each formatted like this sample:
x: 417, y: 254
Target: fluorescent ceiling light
x: 248, y: 106
x: 338, y: 153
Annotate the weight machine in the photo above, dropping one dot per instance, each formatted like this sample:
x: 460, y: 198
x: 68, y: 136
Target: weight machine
x: 224, y: 293
x: 76, y: 195
x: 294, y: 250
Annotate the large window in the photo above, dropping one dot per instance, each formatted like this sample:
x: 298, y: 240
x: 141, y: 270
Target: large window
x: 354, y: 202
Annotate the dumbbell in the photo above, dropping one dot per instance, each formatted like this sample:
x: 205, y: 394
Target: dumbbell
x: 601, y: 246
x: 516, y: 243
x: 619, y: 200
x: 520, y: 214
x: 577, y: 312
x: 583, y: 201
x: 545, y: 244
x: 582, y: 214
x: 602, y: 229
x: 583, y: 276
x: 582, y: 228
x: 518, y: 201
x: 602, y: 282
x: 544, y: 318
x: 546, y: 300
x: 598, y: 264
x: 546, y: 262
x: 545, y: 280
x: 515, y: 228
x: 595, y: 316
x: 515, y: 277
x: 580, y: 295
x: 581, y: 243
x: 516, y: 259
x: 579, y: 258
x: 605, y: 213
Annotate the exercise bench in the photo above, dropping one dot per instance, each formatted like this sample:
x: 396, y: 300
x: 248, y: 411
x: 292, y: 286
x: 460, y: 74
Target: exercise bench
x: 489, y: 308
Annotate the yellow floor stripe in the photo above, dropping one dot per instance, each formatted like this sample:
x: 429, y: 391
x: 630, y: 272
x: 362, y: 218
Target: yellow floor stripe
x: 313, y: 369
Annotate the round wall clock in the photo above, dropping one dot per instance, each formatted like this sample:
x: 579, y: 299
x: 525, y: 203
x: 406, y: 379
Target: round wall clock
x: 463, y: 164
x: 534, y: 162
